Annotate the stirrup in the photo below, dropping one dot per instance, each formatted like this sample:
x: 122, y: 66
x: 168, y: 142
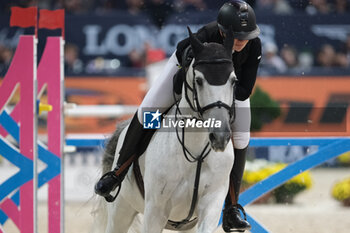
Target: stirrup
x: 111, y: 198
x: 235, y: 231
x: 242, y: 210
x: 108, y: 196
x: 235, y: 208
x: 238, y: 207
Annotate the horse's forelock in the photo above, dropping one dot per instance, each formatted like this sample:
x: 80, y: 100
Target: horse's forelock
x: 215, y: 73
x: 213, y: 51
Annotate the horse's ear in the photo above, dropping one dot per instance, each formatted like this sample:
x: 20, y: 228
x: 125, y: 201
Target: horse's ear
x: 196, y: 44
x: 228, y: 41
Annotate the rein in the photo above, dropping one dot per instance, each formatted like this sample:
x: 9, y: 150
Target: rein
x: 190, y: 158
x: 188, y: 155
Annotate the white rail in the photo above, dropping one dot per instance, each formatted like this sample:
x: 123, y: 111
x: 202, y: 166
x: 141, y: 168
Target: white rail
x: 73, y: 110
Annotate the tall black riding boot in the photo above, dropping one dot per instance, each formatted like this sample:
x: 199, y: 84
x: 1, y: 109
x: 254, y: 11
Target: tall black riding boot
x: 232, y: 220
x: 131, y: 147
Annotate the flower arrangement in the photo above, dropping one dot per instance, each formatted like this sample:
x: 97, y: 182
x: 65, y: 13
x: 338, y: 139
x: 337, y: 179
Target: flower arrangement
x: 341, y: 191
x: 260, y: 169
x: 344, y: 159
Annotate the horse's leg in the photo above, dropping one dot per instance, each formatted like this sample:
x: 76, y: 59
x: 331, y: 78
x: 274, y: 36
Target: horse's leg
x: 120, y: 216
x: 193, y: 230
x: 209, y: 210
x: 155, y: 217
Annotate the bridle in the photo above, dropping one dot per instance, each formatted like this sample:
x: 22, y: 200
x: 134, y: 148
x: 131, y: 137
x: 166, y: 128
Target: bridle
x: 200, y: 110
x: 196, y: 106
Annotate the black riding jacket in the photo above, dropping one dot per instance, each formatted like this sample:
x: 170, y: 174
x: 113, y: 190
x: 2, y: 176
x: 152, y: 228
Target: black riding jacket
x: 245, y: 62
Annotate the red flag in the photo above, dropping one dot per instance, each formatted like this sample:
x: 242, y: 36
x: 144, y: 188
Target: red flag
x: 52, y: 19
x: 23, y: 17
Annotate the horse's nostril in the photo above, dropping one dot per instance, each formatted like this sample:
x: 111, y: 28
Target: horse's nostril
x: 211, y: 137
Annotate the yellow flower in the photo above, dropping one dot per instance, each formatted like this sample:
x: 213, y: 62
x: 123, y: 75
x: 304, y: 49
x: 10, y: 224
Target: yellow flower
x: 303, y: 180
x: 341, y: 190
x: 344, y: 158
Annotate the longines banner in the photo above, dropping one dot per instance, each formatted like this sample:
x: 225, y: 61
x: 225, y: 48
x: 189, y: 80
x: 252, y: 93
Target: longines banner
x: 116, y: 35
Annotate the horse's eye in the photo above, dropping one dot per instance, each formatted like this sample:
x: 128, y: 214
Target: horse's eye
x: 199, y: 81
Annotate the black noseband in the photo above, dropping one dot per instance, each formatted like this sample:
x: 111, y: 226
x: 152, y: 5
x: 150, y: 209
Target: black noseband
x: 217, y: 104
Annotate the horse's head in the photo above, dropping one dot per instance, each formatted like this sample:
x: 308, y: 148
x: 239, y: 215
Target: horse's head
x: 209, y: 87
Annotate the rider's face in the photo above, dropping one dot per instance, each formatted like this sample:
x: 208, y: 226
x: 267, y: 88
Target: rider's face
x: 238, y: 45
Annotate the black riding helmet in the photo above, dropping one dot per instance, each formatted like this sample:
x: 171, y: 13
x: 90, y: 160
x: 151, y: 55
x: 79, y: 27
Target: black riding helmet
x: 241, y: 17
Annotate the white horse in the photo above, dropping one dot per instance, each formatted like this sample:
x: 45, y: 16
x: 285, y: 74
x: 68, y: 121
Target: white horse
x: 172, y: 190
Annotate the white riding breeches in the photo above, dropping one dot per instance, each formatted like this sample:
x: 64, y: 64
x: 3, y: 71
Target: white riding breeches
x: 241, y: 125
x: 160, y: 96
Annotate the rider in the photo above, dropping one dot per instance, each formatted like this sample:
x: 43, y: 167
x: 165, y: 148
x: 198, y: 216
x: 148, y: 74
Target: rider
x: 246, y: 54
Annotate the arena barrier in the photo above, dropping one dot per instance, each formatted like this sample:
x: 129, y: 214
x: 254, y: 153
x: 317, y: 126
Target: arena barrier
x: 19, y: 143
x: 328, y: 148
